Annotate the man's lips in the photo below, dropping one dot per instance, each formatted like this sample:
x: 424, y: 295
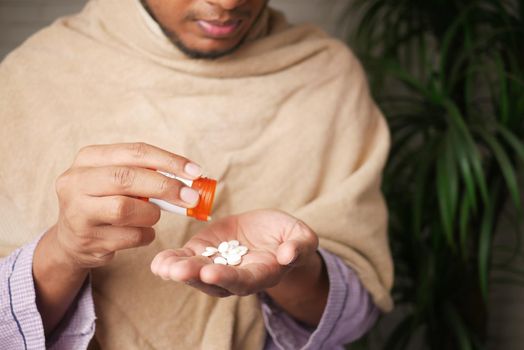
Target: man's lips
x: 217, y: 29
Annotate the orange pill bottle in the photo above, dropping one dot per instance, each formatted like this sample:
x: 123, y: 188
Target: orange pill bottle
x: 206, y: 189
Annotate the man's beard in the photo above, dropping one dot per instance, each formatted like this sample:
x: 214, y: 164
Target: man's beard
x: 193, y: 53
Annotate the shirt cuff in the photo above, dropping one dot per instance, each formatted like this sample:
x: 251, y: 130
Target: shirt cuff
x: 78, y: 325
x: 78, y: 321
x: 22, y: 298
x: 349, y: 313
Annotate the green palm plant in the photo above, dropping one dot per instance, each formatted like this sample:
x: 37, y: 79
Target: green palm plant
x: 449, y: 75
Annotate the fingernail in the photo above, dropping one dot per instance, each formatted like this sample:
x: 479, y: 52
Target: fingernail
x: 189, y: 195
x: 193, y: 169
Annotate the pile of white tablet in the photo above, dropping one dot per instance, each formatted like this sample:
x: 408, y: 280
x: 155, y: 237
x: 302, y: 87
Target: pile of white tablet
x: 231, y: 253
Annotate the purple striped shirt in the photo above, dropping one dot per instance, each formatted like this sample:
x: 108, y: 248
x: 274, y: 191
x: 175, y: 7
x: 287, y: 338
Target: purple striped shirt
x: 349, y: 312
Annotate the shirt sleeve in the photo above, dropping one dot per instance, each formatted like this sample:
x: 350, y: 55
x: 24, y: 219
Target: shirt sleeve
x: 349, y: 314
x: 20, y: 322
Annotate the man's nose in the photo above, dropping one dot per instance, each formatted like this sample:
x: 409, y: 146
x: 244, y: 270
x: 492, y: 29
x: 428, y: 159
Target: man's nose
x: 227, y: 4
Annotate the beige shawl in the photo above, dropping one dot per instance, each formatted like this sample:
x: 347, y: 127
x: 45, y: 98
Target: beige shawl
x: 285, y: 122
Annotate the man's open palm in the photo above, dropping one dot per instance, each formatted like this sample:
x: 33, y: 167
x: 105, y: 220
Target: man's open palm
x: 276, y: 242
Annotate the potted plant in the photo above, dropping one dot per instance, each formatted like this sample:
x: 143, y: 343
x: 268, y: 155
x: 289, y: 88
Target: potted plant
x: 449, y: 76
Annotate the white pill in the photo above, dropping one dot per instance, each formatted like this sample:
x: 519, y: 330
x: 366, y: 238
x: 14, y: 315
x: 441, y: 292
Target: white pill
x: 226, y: 254
x: 236, y: 251
x: 234, y: 259
x: 208, y: 253
x: 242, y: 250
x: 220, y: 260
x: 211, y: 249
x: 223, y: 247
x: 233, y: 250
x: 234, y: 243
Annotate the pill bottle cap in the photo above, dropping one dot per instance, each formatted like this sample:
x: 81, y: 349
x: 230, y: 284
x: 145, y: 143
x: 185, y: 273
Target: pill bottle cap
x: 206, y: 189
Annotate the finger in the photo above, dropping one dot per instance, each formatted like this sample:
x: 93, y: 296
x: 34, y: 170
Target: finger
x: 108, y: 239
x: 118, y: 211
x: 157, y: 260
x: 177, y: 265
x: 132, y: 181
x: 162, y: 262
x: 180, y: 265
x: 289, y: 253
x: 243, y: 281
x: 163, y: 268
x: 137, y: 154
x: 298, y: 244
x: 183, y: 269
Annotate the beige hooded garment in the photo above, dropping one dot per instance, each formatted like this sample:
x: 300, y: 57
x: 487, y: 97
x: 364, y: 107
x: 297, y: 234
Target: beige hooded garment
x: 285, y: 122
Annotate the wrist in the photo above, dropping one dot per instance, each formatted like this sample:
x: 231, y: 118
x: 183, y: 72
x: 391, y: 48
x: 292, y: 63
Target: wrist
x: 304, y: 290
x: 51, y: 258
x: 57, y: 280
x: 301, y: 278
x: 302, y: 282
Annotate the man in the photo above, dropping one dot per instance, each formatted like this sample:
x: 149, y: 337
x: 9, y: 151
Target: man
x: 280, y: 115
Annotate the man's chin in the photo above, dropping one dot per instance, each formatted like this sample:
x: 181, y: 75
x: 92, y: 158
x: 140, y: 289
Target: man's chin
x: 208, y: 54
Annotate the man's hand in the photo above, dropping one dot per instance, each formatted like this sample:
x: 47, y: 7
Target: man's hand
x: 100, y: 209
x: 282, y: 260
x: 101, y: 213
